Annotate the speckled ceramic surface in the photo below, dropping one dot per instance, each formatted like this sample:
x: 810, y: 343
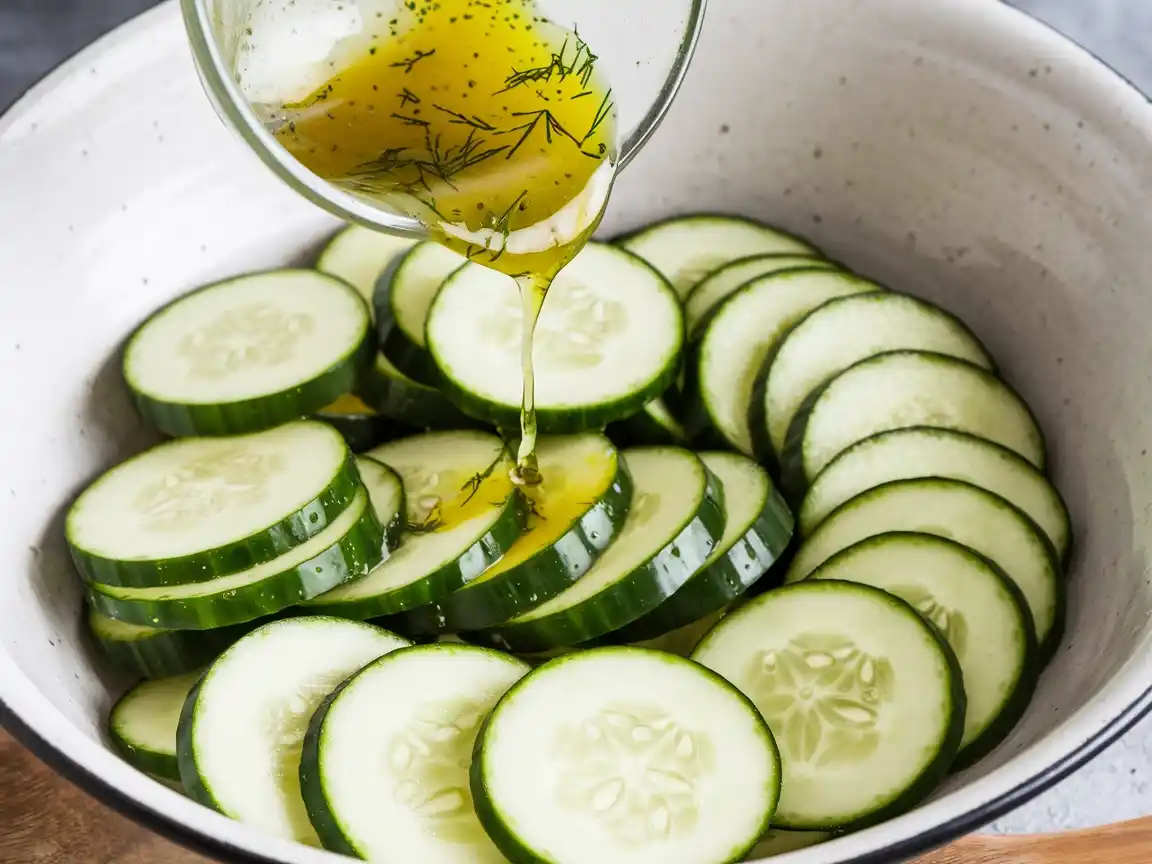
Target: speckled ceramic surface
x: 955, y: 149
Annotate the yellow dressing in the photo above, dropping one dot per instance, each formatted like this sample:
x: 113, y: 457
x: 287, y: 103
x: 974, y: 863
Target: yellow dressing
x: 445, y: 499
x: 349, y: 405
x: 564, y: 495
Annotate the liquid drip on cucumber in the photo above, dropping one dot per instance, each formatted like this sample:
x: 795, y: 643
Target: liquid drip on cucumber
x: 489, y: 124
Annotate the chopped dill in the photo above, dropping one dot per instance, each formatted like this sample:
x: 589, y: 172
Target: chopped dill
x: 473, y: 484
x: 410, y: 62
x: 602, y: 113
x: 551, y: 126
x: 463, y: 120
x: 430, y: 523
x: 410, y: 121
x: 582, y: 65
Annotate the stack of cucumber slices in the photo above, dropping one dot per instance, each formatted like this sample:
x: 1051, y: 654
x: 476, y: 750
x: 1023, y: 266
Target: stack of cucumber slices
x: 355, y: 631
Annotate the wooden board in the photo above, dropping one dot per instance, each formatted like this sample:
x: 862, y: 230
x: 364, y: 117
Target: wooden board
x: 44, y: 819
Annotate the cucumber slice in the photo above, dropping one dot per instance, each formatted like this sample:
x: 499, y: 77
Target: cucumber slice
x: 904, y: 454
x: 654, y: 426
x: 687, y: 248
x: 718, y: 285
x: 845, y: 331
x: 781, y: 842
x: 958, y: 511
x: 648, y: 753
x: 243, y: 726
x: 387, y: 390
x: 196, y: 509
x: 359, y: 255
x: 902, y: 389
x: 463, y: 515
x: 865, y: 699
x: 573, y: 516
x: 742, y: 332
x: 360, y: 426
x: 249, y: 353
x: 411, y: 285
x: 607, y: 342
x: 757, y: 530
x: 979, y: 610
x: 155, y: 653
x: 386, y: 494
x: 347, y: 549
x: 674, y: 522
x: 403, y: 298
x: 413, y: 716
x: 143, y: 724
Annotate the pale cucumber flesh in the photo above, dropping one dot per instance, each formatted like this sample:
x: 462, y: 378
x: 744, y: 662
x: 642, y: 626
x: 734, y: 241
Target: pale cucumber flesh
x: 844, y: 332
x: 978, y: 610
x: 687, y: 248
x: 864, y: 698
x: 957, y: 511
x: 243, y: 728
x: 612, y: 754
x: 930, y: 452
x: 247, y: 338
x: 415, y: 715
x: 359, y: 255
x: 911, y: 388
x: 606, y: 342
x: 746, y: 329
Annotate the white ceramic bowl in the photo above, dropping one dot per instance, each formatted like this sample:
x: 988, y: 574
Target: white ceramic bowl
x: 956, y: 149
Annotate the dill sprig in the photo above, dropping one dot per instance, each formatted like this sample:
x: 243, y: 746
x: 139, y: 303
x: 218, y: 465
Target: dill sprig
x: 551, y: 127
x: 410, y: 62
x: 463, y: 120
x: 431, y: 165
x: 534, y: 508
x: 582, y: 65
x: 448, y: 163
x: 388, y: 162
x: 430, y: 523
x: 501, y: 226
x: 407, y: 96
x: 529, y: 76
x: 473, y: 484
x: 587, y: 65
x: 409, y: 120
x: 602, y: 113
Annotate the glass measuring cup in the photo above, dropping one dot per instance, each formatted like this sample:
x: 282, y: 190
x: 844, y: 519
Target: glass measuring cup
x: 249, y: 53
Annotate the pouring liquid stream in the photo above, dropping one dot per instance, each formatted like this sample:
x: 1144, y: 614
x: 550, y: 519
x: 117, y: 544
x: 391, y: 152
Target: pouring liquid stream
x: 485, y: 121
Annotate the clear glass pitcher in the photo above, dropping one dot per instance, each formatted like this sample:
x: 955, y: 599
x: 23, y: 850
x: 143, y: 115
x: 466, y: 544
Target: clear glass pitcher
x: 248, y: 52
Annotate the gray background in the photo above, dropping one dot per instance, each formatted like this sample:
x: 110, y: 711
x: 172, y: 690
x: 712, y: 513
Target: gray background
x: 35, y: 35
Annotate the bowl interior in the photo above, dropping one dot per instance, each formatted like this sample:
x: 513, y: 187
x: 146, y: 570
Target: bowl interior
x: 957, y: 150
